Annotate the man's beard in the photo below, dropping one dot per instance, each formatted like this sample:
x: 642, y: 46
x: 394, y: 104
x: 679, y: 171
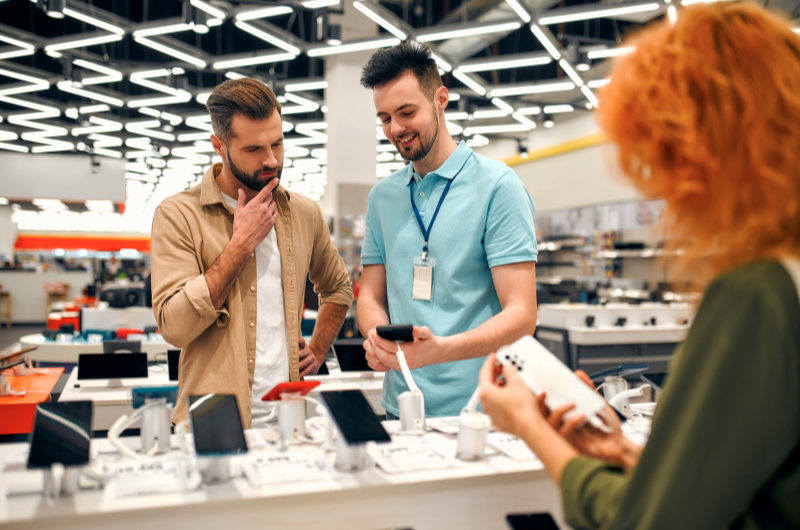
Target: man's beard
x: 253, y: 181
x: 424, y: 148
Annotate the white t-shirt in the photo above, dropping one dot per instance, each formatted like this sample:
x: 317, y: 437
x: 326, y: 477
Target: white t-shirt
x: 272, y: 345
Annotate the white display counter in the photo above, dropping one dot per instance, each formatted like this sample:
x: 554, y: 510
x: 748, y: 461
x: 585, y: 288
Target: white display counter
x: 52, y: 351
x: 475, y: 495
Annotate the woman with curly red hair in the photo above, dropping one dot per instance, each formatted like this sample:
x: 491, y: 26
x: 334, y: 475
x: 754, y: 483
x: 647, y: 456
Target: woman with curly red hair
x: 706, y: 114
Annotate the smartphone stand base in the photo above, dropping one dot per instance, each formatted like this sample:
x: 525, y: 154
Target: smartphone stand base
x: 350, y: 458
x: 411, y: 406
x: 291, y: 419
x: 214, y: 469
x: 155, y: 426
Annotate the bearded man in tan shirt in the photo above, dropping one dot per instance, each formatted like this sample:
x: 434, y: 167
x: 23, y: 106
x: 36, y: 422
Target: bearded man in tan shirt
x: 229, y: 264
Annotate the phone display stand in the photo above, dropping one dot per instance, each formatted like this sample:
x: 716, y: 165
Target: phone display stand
x: 472, y: 431
x: 615, y: 390
x: 411, y: 403
x: 114, y: 383
x: 350, y: 458
x: 61, y: 481
x: 291, y: 416
x: 214, y: 469
x: 155, y: 426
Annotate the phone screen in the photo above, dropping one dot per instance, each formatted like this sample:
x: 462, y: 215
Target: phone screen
x: 173, y: 360
x: 216, y: 425
x: 114, y: 366
x: 354, y: 417
x: 351, y: 355
x: 61, y: 434
x: 531, y: 521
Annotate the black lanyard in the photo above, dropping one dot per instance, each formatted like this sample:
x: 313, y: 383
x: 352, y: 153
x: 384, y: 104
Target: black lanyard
x: 426, y: 233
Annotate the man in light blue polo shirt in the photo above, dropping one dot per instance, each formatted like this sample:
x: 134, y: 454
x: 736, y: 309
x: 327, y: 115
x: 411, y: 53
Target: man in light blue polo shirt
x: 449, y: 244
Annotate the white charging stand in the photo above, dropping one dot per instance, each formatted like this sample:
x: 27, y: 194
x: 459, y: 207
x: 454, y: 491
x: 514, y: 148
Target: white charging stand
x: 411, y: 404
x: 291, y: 416
x: 350, y: 458
x: 155, y: 426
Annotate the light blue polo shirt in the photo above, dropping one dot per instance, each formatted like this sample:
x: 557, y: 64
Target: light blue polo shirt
x: 486, y: 220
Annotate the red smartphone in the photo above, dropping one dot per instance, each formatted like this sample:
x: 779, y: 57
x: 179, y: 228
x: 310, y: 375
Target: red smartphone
x: 290, y: 387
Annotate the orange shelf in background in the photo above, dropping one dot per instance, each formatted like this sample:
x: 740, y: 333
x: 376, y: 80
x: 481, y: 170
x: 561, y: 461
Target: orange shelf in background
x: 17, y: 412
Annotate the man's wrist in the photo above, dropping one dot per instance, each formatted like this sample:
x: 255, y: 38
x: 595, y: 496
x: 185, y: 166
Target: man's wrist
x: 445, y: 349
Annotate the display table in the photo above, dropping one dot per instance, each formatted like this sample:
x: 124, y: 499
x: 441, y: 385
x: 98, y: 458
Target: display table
x: 475, y: 495
x: 52, y: 351
x: 111, y: 403
x: 17, y: 412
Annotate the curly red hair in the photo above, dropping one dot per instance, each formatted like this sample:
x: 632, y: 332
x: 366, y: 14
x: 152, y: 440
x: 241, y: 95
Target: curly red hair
x: 706, y: 114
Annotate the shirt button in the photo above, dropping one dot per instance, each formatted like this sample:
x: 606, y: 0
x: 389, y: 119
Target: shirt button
x: 422, y: 194
x: 252, y: 288
x: 252, y: 324
x: 253, y: 255
x: 250, y: 361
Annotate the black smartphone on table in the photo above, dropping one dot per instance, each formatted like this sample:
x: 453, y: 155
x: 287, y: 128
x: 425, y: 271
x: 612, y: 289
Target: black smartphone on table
x: 354, y: 417
x: 61, y: 434
x: 216, y: 425
x: 531, y: 521
x: 396, y: 332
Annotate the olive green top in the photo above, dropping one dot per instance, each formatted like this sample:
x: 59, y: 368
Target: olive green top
x: 725, y: 446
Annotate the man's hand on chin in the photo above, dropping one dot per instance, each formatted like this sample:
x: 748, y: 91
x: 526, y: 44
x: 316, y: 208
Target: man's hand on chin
x: 309, y: 362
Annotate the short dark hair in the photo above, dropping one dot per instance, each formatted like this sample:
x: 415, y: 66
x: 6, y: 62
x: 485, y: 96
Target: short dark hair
x: 246, y: 96
x: 407, y: 57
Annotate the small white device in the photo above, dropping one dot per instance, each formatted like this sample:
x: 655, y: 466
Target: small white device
x: 544, y: 372
x: 472, y: 431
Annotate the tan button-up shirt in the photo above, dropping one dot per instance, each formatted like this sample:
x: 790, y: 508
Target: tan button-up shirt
x: 190, y: 231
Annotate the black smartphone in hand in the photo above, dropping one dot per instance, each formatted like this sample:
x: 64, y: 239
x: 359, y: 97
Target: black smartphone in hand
x: 396, y: 332
x: 531, y: 521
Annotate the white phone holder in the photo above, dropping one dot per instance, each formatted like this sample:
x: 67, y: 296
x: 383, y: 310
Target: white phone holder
x: 615, y: 390
x: 214, y: 469
x: 411, y: 404
x: 350, y: 458
x: 291, y: 416
x: 155, y: 426
x: 472, y: 431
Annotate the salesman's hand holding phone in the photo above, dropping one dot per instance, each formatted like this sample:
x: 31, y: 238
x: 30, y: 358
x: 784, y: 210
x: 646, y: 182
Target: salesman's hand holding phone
x: 425, y: 349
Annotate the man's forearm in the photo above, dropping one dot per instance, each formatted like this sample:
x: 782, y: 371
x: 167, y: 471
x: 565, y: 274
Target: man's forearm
x: 370, y: 314
x: 505, y: 327
x: 221, y: 276
x: 329, y: 321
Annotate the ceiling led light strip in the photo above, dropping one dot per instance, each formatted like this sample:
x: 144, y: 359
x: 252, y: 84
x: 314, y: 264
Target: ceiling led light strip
x: 75, y: 88
x: 101, y: 125
x: 93, y: 21
x: 468, y: 81
x: 379, y: 20
x: 557, y: 109
x: 311, y: 130
x: 83, y: 43
x: 25, y: 48
x: 444, y: 65
x: 303, y: 105
x: 545, y: 41
x: 597, y: 83
x: 611, y: 52
x: 493, y: 129
x: 263, y: 35
x: 35, y: 84
x: 102, y: 142
x: 143, y: 128
x: 524, y: 120
x: 499, y: 103
x: 590, y: 96
x: 8, y: 135
x: 352, y: 47
x: 570, y: 72
x: 181, y: 97
x: 208, y: 8
x: 172, y: 52
x: 143, y: 79
x: 111, y: 75
x: 522, y: 90
x: 318, y: 4
x: 500, y: 65
x: 27, y: 120
x: 599, y: 13
x: 519, y: 10
x: 162, y: 30
x: 311, y: 85
x: 469, y: 32
x: 264, y: 13
x: 251, y: 61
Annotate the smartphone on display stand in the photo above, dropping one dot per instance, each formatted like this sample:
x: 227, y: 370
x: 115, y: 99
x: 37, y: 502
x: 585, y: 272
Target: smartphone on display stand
x: 216, y: 425
x: 140, y: 394
x: 531, y: 521
x: 355, y: 419
x: 61, y: 434
x: 396, y: 332
x: 289, y: 387
x: 657, y: 381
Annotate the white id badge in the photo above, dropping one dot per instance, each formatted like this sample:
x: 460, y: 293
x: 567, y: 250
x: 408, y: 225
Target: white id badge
x: 423, y: 278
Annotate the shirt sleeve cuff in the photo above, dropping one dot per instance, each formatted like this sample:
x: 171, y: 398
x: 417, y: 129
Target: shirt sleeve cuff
x: 372, y: 260
x: 576, y: 490
x: 343, y: 298
x: 512, y: 258
x: 197, y: 293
